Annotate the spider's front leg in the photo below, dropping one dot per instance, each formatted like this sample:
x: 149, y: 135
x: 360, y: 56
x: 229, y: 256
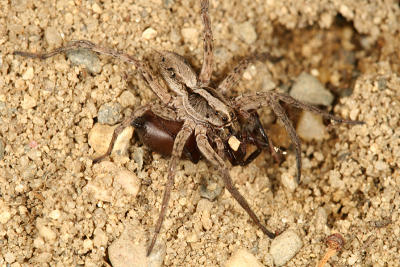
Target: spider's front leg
x: 216, y: 160
x: 142, y: 66
x: 179, y: 144
x: 208, y: 56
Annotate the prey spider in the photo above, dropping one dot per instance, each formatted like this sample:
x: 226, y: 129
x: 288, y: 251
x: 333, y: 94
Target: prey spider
x: 201, y: 113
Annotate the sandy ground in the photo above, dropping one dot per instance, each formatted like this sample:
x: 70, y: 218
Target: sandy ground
x: 58, y: 209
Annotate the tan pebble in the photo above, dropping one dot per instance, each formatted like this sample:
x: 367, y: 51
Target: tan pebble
x: 46, y: 232
x: 149, y: 33
x: 69, y: 18
x: 99, y: 192
x: 130, y: 250
x: 284, y: 247
x: 127, y: 99
x: 28, y: 102
x: 100, y: 238
x: 87, y: 244
x: 246, y: 32
x: 28, y: 74
x: 38, y: 242
x: 311, y: 126
x: 242, y: 258
x: 289, y: 181
x: 43, y: 257
x: 96, y: 8
x: 190, y: 34
x: 128, y: 181
x: 204, y: 207
x: 193, y: 237
x: 52, y: 36
x: 5, y: 215
x: 9, y: 257
x: 54, y: 214
x: 100, y: 137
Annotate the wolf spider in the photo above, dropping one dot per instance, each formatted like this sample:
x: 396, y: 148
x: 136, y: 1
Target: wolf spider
x: 203, y: 113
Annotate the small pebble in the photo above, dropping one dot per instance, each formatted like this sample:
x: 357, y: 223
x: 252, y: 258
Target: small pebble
x: 210, y: 191
x: 127, y: 99
x: 5, y: 213
x: 52, y: 36
x: 138, y: 156
x: 28, y: 102
x: 46, y: 232
x: 86, y: 58
x: 242, y: 258
x: 321, y: 218
x: 130, y: 250
x: 110, y: 113
x: 190, y: 35
x: 311, y: 126
x: 246, y: 32
x: 284, y: 247
x: 100, y: 135
x: 100, y: 238
x: 204, y: 208
x: 96, y: 8
x: 128, y: 181
x: 9, y: 257
x: 289, y: 181
x: 309, y: 89
x: 149, y: 33
x: 28, y: 74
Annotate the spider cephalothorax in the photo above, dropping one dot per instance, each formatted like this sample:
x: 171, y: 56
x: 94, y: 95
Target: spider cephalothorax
x: 193, y: 119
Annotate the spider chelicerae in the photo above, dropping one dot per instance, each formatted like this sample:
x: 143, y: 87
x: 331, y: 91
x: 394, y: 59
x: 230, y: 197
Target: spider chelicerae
x: 195, y: 119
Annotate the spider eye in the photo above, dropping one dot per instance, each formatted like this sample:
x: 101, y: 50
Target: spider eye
x: 216, y: 113
x: 224, y: 119
x: 163, y: 59
x: 231, y: 114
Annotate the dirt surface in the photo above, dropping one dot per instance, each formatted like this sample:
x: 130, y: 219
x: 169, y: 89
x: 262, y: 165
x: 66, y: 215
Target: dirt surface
x: 58, y: 209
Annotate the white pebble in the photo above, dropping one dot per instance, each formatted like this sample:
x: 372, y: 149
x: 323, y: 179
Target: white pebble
x: 52, y: 37
x: 311, y: 126
x: 246, y: 32
x: 204, y: 208
x: 190, y: 34
x: 99, y: 139
x: 289, y: 181
x: 100, y: 238
x: 130, y: 250
x: 128, y: 181
x: 149, y: 33
x: 28, y: 74
x: 9, y: 257
x: 309, y: 89
x: 284, y: 247
x: 242, y: 258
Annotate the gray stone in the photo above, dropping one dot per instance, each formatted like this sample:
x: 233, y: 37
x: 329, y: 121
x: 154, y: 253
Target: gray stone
x: 284, y: 247
x: 109, y: 113
x: 309, y: 89
x: 86, y: 58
